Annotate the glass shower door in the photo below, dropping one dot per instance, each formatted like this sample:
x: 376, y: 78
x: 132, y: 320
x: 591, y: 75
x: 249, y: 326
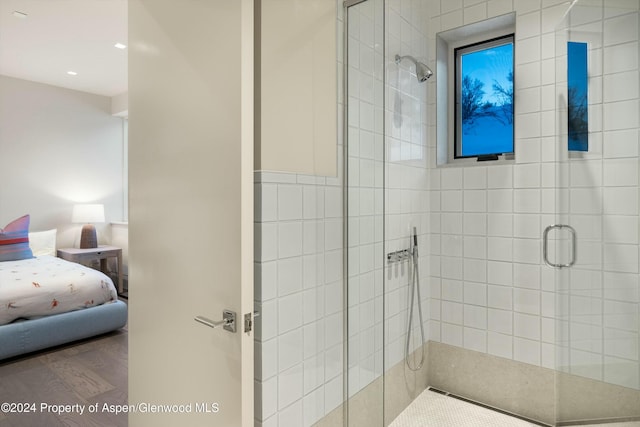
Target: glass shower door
x: 364, y: 160
x: 594, y: 264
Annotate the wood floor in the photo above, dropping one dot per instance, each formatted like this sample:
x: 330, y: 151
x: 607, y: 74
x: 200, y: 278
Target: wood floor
x: 87, y: 372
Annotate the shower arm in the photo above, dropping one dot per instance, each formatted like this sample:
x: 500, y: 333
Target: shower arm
x: 409, y: 57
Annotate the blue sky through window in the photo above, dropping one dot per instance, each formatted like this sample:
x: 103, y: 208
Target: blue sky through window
x: 486, y: 92
x: 577, y: 84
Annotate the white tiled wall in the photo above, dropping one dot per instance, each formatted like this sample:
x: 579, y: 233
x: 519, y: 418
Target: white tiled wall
x: 298, y: 291
x: 491, y: 290
x: 406, y: 198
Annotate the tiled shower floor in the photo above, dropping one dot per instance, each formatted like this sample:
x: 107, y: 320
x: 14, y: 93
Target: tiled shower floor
x: 432, y: 409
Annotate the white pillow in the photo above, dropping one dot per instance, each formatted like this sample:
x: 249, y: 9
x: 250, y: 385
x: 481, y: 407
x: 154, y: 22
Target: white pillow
x: 43, y: 242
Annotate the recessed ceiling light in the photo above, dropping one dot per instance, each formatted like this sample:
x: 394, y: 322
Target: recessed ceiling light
x: 72, y: 73
x: 120, y: 46
x: 19, y: 14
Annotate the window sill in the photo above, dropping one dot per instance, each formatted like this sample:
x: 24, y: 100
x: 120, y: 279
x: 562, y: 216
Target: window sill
x: 471, y: 162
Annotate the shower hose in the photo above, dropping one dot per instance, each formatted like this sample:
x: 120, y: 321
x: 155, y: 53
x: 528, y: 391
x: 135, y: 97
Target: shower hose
x: 415, y: 289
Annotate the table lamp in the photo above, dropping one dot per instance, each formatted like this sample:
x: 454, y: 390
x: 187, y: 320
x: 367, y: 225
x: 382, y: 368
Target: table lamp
x: 88, y: 214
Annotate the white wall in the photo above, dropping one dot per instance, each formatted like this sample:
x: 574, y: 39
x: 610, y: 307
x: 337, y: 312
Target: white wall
x: 296, y: 84
x: 58, y: 147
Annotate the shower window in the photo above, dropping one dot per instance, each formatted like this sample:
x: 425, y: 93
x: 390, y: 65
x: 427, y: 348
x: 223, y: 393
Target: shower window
x: 484, y: 99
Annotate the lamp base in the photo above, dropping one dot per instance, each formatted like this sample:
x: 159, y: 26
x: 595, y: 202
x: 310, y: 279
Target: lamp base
x: 88, y: 237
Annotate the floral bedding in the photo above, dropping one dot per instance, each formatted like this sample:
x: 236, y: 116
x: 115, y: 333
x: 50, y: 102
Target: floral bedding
x: 47, y: 285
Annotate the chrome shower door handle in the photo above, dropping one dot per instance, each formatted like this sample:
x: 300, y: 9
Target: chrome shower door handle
x: 228, y: 321
x: 545, y: 244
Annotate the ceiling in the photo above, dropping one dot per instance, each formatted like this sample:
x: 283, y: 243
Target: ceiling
x: 58, y: 36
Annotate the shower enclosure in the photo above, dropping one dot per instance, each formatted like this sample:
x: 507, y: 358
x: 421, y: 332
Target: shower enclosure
x: 597, y: 309
x: 387, y: 197
x: 529, y: 270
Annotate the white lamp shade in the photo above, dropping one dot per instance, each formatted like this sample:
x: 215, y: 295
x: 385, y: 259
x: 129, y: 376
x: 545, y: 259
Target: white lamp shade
x: 88, y: 213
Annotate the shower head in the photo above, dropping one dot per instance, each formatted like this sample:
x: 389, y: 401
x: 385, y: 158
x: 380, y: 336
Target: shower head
x: 422, y: 71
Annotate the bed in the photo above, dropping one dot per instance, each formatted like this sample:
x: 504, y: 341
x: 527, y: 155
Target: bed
x: 47, y: 301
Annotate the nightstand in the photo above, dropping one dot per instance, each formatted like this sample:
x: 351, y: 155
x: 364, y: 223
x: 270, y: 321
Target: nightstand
x: 101, y: 253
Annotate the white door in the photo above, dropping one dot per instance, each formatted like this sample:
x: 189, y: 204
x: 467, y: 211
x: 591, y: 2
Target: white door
x: 191, y: 211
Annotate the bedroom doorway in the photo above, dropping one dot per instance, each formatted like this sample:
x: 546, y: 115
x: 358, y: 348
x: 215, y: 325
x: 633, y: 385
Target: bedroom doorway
x: 187, y: 189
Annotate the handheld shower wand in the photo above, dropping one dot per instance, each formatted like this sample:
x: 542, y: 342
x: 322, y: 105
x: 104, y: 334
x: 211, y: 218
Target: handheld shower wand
x: 415, y: 288
x: 414, y: 249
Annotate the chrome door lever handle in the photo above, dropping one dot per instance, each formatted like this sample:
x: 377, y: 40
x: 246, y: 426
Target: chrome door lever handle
x: 228, y: 321
x: 211, y: 323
